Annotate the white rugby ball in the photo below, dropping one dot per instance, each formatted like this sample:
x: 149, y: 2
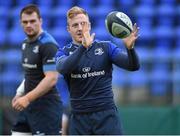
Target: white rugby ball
x: 118, y: 24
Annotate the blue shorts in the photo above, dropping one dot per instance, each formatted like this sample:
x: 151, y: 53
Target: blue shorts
x: 95, y: 123
x: 44, y: 116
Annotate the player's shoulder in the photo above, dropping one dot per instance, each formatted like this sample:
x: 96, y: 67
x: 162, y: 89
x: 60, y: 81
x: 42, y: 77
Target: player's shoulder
x: 25, y: 40
x: 46, y: 38
x: 68, y: 47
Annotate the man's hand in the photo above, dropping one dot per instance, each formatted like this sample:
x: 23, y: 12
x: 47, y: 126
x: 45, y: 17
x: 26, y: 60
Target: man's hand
x: 20, y: 103
x: 130, y: 40
x: 14, y: 99
x: 87, y: 38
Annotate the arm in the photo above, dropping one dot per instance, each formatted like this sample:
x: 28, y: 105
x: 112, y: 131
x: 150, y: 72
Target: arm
x: 42, y: 88
x: 130, y: 59
x: 65, y: 64
x: 126, y: 60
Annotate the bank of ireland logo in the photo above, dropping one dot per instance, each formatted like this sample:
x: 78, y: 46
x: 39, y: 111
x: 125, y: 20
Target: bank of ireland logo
x: 36, y: 49
x: 98, y: 51
x: 86, y: 69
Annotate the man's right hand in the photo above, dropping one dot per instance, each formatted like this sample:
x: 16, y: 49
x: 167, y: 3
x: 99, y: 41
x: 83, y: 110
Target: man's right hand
x: 87, y: 38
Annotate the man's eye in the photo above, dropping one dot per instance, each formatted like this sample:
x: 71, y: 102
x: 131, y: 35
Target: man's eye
x: 75, y: 25
x: 24, y: 22
x: 83, y: 23
x: 32, y: 21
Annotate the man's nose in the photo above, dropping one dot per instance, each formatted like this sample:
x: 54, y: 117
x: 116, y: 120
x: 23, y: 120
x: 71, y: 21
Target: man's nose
x: 28, y: 24
x: 80, y: 26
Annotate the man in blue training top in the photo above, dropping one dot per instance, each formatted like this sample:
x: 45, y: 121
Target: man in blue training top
x: 87, y: 67
x: 37, y: 98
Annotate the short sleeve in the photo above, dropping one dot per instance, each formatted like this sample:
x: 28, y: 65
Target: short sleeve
x: 48, y: 52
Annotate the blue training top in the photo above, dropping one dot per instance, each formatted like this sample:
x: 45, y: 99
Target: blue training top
x: 88, y: 73
x: 38, y: 57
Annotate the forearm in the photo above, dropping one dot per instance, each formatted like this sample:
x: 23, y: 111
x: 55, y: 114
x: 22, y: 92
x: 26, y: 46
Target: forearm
x: 42, y: 88
x: 68, y: 63
x: 128, y: 61
x: 133, y: 60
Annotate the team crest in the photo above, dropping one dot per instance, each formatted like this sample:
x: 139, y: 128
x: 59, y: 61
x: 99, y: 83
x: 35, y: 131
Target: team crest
x: 98, y: 51
x: 36, y: 49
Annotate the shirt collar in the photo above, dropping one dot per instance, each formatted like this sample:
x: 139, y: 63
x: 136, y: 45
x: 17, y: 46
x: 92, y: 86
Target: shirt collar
x: 39, y: 37
x: 76, y: 45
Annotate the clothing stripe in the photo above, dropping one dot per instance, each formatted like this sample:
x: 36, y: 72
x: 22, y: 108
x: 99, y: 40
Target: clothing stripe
x: 49, y: 67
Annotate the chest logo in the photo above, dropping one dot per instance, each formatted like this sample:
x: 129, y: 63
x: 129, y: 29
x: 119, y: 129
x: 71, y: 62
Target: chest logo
x: 98, y: 51
x: 86, y: 69
x: 36, y: 49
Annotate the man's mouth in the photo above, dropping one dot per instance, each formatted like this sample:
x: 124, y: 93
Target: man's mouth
x: 28, y: 29
x: 79, y: 35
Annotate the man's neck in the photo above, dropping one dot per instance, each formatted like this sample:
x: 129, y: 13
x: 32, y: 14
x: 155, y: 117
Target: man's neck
x: 79, y: 44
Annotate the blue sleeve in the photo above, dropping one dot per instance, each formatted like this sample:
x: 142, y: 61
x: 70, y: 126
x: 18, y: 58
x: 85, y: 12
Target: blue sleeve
x: 48, y: 52
x: 124, y: 59
x: 66, y: 64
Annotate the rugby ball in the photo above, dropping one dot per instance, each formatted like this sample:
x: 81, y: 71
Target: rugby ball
x: 118, y: 24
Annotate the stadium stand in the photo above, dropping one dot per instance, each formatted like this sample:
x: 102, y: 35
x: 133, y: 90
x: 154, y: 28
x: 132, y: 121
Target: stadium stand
x: 158, y: 42
x: 158, y: 80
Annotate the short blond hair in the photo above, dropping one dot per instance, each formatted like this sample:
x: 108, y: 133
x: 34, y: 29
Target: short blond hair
x: 75, y: 11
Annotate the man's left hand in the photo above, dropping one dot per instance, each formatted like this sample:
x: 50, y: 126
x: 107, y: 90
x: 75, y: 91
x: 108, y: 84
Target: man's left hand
x: 21, y: 103
x: 130, y: 40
